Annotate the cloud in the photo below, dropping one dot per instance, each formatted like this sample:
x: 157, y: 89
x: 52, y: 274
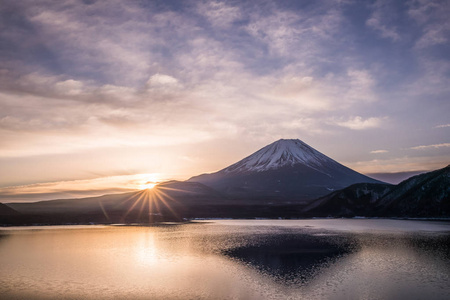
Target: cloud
x: 430, y: 47
x: 78, y: 188
x: 442, y: 126
x: 158, y: 80
x: 398, y: 164
x: 434, y: 146
x: 358, y: 123
x: 381, y: 20
x: 213, y: 88
x: 298, y: 33
x: 379, y: 151
x: 361, y: 85
x: 384, y: 30
x: 61, y: 121
x: 116, y: 43
x: 432, y: 16
x: 69, y: 87
x: 218, y: 13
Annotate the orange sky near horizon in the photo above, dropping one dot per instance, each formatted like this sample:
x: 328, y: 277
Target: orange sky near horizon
x: 94, y: 93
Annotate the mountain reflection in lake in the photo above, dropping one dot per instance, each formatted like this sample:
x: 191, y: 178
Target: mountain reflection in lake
x: 258, y: 259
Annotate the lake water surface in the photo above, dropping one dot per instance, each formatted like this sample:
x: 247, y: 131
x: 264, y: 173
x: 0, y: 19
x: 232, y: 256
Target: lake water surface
x: 229, y: 259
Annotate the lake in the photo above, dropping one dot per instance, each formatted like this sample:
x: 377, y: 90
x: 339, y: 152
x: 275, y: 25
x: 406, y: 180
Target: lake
x: 229, y: 259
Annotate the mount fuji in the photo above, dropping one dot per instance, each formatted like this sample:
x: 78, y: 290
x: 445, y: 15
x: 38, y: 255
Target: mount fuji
x: 286, y: 171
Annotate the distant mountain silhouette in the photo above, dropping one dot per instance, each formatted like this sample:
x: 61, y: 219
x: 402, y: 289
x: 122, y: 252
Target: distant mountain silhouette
x: 8, y: 215
x: 7, y: 211
x: 284, y: 171
x: 168, y: 201
x: 425, y: 195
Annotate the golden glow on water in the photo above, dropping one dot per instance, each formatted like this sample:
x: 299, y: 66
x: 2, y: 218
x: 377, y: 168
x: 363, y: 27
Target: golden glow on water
x: 116, y: 263
x: 147, y: 251
x: 187, y: 262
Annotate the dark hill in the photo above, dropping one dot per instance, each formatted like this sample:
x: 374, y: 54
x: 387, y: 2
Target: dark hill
x: 357, y: 199
x: 426, y: 195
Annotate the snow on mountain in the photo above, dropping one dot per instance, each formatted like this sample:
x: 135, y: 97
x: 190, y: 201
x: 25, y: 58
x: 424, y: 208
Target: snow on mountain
x: 279, y: 154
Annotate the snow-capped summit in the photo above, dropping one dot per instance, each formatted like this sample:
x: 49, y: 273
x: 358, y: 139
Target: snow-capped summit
x: 286, y: 170
x: 281, y: 153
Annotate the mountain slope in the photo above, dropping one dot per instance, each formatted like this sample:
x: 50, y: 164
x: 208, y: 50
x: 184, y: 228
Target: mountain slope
x: 356, y: 200
x: 284, y: 171
x: 425, y: 195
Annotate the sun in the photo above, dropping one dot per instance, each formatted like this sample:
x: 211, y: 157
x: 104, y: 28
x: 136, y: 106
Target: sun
x: 146, y: 181
x: 147, y: 185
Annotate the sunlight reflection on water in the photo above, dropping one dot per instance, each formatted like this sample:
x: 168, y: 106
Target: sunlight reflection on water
x: 301, y: 259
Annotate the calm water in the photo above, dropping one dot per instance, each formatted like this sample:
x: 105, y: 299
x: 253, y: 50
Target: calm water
x: 257, y: 259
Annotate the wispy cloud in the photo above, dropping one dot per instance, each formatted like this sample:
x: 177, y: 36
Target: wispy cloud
x: 442, y: 126
x: 432, y: 19
x: 219, y: 14
x: 379, y: 151
x: 361, y: 85
x: 434, y: 146
x: 358, y: 123
x: 78, y: 188
x: 382, y: 18
x: 398, y: 164
x: 433, y: 16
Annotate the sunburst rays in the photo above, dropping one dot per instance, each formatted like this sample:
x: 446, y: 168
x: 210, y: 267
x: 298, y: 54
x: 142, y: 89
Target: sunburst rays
x: 156, y: 203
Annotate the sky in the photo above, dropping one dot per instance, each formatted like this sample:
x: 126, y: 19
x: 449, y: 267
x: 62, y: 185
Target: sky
x: 106, y: 96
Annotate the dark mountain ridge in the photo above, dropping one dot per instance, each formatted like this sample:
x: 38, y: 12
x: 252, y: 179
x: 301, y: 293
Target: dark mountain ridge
x: 425, y: 195
x: 422, y: 195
